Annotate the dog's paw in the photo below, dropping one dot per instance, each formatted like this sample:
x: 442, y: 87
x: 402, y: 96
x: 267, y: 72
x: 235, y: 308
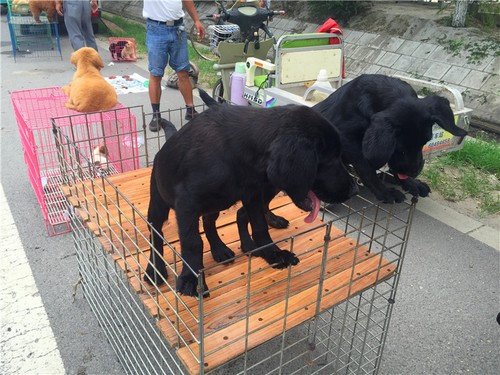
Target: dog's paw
x: 391, y: 195
x: 277, y: 222
x: 222, y: 254
x: 187, y: 285
x: 153, y: 277
x: 284, y: 259
x: 278, y: 258
x: 415, y: 187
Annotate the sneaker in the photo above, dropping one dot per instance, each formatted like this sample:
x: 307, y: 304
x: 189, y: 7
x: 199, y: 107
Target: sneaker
x: 190, y: 113
x: 155, y: 124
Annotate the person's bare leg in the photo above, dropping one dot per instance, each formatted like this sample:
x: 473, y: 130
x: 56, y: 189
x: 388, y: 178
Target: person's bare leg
x: 187, y: 93
x: 154, y: 89
x: 185, y: 87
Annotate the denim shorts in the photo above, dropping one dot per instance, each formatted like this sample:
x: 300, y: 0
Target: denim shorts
x: 165, y: 47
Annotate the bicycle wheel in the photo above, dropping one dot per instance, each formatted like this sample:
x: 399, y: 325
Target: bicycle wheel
x: 205, y: 47
x: 218, y: 91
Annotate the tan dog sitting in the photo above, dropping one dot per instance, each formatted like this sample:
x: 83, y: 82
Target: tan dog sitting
x: 89, y: 91
x: 38, y: 6
x: 128, y: 51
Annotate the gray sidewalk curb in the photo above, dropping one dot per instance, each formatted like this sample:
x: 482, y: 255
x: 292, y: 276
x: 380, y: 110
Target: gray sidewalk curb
x: 460, y: 222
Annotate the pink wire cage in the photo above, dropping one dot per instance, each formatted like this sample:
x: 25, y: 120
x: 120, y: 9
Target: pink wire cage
x: 36, y: 112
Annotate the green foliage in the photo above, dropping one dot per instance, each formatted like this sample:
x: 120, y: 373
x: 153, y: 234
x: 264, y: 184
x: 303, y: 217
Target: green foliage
x: 475, y: 52
x: 483, y: 14
x: 481, y: 153
x: 486, y: 12
x: 208, y: 76
x: 454, y: 46
x: 425, y: 91
x: 472, y: 172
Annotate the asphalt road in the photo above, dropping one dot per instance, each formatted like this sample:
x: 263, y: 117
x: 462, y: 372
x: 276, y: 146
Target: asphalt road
x: 443, y: 320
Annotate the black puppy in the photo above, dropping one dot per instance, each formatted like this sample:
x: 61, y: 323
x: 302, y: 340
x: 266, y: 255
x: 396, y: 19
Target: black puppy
x: 229, y: 153
x: 382, y: 121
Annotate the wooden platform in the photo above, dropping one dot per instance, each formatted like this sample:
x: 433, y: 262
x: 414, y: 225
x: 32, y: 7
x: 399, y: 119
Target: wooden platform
x: 250, y: 302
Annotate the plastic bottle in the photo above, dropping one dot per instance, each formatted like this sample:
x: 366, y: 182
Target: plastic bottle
x: 237, y: 84
x: 322, y: 79
x: 315, y: 92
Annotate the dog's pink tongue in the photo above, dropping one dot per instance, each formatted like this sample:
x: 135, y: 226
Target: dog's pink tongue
x: 402, y: 176
x: 315, y: 207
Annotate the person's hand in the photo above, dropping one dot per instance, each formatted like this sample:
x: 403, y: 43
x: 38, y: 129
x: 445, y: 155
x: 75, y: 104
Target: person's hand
x: 200, y: 30
x: 59, y: 8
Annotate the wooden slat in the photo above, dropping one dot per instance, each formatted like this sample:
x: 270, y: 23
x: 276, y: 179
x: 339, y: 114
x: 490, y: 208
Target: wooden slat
x: 234, y: 320
x: 231, y: 341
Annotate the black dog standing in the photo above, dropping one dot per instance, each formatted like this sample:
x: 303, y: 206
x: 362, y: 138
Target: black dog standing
x: 382, y: 121
x: 229, y: 154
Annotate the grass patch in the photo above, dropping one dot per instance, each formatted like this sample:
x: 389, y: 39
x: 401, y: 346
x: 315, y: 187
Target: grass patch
x: 481, y: 153
x: 472, y: 172
x: 119, y: 26
x: 475, y: 52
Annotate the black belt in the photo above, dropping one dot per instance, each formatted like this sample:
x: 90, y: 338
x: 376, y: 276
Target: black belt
x: 168, y: 23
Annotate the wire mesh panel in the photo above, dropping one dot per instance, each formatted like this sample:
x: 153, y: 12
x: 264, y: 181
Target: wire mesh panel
x: 35, y: 111
x: 221, y: 33
x: 327, y: 315
x: 34, y: 39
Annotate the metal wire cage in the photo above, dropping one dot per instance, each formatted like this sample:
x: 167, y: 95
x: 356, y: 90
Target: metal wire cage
x: 29, y: 38
x: 36, y: 110
x: 222, y: 33
x: 122, y: 49
x: 327, y: 315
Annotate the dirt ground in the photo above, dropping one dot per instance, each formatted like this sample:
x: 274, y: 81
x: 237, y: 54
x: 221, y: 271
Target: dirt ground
x: 406, y: 19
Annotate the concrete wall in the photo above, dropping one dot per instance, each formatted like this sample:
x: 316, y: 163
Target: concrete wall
x: 417, y: 53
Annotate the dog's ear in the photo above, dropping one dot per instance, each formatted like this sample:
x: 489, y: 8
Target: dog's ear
x: 441, y: 114
x: 74, y: 57
x: 379, y: 141
x: 292, y: 165
x: 103, y: 150
x: 97, y: 61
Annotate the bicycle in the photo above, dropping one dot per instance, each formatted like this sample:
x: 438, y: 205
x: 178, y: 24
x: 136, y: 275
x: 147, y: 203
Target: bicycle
x: 232, y: 35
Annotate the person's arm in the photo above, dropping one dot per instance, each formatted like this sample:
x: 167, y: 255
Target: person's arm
x: 59, y: 7
x: 191, y: 9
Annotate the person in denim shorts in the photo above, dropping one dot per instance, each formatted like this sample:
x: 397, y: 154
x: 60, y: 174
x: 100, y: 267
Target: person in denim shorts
x: 166, y: 41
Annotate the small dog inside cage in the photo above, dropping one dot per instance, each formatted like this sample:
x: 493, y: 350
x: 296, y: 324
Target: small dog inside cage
x: 128, y: 51
x: 100, y: 158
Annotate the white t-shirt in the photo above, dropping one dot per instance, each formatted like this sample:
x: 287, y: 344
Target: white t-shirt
x: 163, y: 10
